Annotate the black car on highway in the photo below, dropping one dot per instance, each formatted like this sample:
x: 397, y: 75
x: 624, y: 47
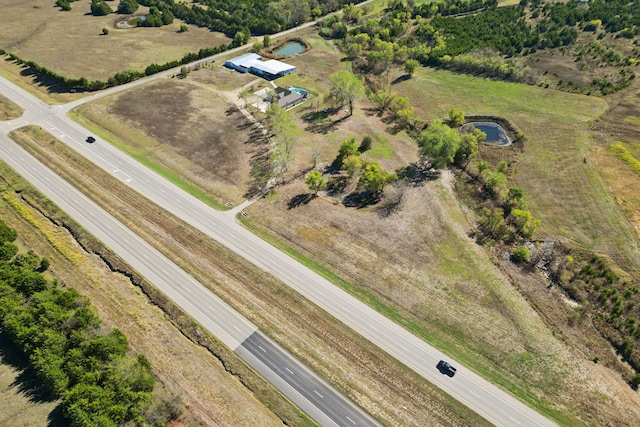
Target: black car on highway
x: 446, y: 368
x: 91, y: 139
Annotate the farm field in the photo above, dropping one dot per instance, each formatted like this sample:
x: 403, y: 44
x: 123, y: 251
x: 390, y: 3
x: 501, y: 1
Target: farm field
x: 72, y: 44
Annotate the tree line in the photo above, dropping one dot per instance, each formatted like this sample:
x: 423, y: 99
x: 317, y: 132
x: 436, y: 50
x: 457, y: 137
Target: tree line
x: 84, y: 84
x: 71, y: 354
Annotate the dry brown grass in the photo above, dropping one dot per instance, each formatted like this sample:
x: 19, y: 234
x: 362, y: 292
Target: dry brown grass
x: 373, y: 379
x: 185, y: 128
x: 8, y: 109
x: 19, y: 408
x: 80, y: 50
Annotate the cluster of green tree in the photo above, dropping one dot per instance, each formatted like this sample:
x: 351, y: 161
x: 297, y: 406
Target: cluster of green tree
x: 64, y: 4
x: 283, y: 141
x: 614, y: 15
x: 487, y: 62
x: 371, y: 177
x: 100, y: 8
x: 55, y: 329
x: 398, y: 108
x: 157, y: 17
x: 611, y: 84
x: 454, y: 7
x: 257, y: 17
x: 444, y: 145
x: 127, y: 7
x: 429, y: 34
x: 506, y: 29
x: 507, y: 219
x: 84, y: 84
x: 611, y: 301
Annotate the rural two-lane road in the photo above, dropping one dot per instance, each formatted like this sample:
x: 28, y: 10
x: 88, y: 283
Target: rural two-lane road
x: 471, y: 390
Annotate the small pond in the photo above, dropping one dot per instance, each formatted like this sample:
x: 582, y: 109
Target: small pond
x: 290, y: 49
x: 495, y: 133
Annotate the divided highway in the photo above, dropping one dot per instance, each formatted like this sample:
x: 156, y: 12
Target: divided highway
x: 471, y: 390
x: 314, y: 396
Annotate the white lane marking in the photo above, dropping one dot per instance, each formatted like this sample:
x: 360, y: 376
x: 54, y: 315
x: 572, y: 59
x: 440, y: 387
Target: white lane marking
x: 189, y: 289
x: 146, y: 257
x: 316, y: 392
x: 211, y: 308
x: 469, y: 390
x: 289, y: 370
x: 350, y: 420
x: 260, y: 347
x: 237, y: 328
x: 515, y: 421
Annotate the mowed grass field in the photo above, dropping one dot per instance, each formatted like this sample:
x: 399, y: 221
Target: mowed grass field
x: 71, y: 43
x: 558, y: 169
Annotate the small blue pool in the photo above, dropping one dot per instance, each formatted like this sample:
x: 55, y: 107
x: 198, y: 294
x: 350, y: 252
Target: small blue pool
x: 297, y: 90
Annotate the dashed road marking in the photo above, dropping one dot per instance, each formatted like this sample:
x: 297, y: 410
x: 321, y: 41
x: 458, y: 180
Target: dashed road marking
x: 316, y: 392
x: 261, y: 348
x: 350, y: 419
x: 289, y: 370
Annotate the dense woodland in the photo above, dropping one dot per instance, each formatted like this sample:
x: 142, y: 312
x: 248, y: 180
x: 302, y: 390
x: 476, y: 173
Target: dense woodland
x: 72, y: 355
x: 257, y: 17
x: 479, y: 37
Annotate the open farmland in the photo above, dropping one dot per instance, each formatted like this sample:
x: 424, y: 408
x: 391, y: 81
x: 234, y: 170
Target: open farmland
x: 72, y: 44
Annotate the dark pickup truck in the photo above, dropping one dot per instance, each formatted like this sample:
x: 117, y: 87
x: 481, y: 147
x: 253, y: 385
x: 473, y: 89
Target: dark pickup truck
x: 446, y: 368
